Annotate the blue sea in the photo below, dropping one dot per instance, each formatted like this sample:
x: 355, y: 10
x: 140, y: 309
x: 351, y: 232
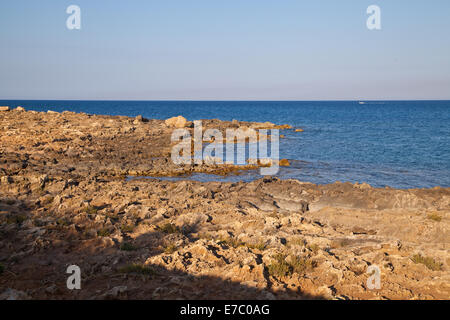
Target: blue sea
x: 402, y: 144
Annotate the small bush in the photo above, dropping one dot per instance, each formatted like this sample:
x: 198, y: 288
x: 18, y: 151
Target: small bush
x: 10, y: 202
x: 16, y: 219
x: 429, y: 262
x: 126, y: 246
x: 171, y: 248
x: 91, y: 210
x: 301, y: 264
x: 435, y: 217
x: 63, y: 222
x: 314, y: 248
x: 169, y: 228
x: 127, y: 228
x: 138, y: 269
x: 232, y: 242
x: 104, y: 232
x: 280, y: 267
x: 297, y: 242
x: 258, y: 246
x: 47, y: 201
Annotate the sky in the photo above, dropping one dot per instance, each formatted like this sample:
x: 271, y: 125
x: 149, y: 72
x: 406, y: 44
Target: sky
x: 225, y: 50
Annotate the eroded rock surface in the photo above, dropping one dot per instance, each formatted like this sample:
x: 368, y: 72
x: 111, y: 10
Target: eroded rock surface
x: 64, y: 200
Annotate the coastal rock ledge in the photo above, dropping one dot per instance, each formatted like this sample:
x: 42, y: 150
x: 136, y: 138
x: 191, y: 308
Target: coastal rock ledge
x: 65, y: 199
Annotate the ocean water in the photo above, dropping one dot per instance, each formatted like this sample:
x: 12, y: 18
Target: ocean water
x: 402, y: 144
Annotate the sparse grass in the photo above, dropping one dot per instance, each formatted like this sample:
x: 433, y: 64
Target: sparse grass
x: 429, y: 262
x: 258, y: 246
x: 297, y: 242
x: 127, y: 228
x: 205, y: 236
x: 302, y: 264
x: 171, y: 248
x: 169, y: 228
x: 104, y: 232
x: 273, y: 214
x: 314, y: 248
x: 236, y: 243
x: 137, y: 269
x: 232, y: 242
x: 280, y: 267
x: 47, y: 201
x: 16, y: 219
x: 126, y: 246
x: 435, y: 217
x: 340, y: 243
x: 91, y: 210
x: 63, y: 222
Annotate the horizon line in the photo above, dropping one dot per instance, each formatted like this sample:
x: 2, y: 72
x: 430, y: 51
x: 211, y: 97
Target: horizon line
x: 231, y: 100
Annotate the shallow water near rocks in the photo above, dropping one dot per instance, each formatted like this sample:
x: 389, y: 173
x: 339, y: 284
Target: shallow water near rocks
x: 402, y: 144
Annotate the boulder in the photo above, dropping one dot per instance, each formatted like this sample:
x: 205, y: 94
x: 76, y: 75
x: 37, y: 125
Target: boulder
x: 4, y: 108
x: 139, y: 119
x: 176, y: 122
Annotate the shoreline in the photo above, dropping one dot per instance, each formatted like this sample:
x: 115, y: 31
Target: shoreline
x: 64, y: 200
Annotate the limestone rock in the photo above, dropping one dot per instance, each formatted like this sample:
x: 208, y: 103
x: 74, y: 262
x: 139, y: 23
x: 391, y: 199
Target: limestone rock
x: 176, y: 122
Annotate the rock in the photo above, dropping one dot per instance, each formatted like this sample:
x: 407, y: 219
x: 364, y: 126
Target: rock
x: 115, y: 292
x: 176, y: 122
x: 6, y: 180
x: 19, y: 108
x: 4, y: 108
x: 284, y: 163
x: 139, y: 119
x: 12, y: 294
x: 363, y: 185
x: 52, y: 289
x: 299, y: 130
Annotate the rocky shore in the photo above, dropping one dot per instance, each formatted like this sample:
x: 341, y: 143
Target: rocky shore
x: 65, y: 200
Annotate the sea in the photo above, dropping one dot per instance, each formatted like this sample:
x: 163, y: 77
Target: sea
x: 400, y: 144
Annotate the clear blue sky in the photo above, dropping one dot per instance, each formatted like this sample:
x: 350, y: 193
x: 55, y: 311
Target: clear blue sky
x: 225, y: 50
